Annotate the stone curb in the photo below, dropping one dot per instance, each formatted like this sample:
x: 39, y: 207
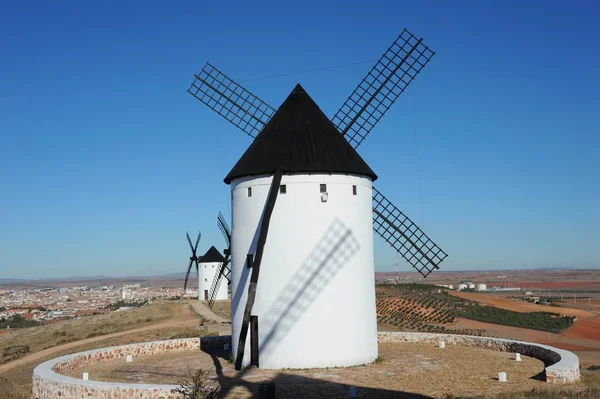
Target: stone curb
x: 47, y: 383
x: 561, y: 366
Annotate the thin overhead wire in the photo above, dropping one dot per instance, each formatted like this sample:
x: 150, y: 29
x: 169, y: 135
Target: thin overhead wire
x: 309, y: 70
x: 417, y: 156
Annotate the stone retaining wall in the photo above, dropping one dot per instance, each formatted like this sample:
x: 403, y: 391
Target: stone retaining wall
x: 48, y: 383
x: 561, y: 366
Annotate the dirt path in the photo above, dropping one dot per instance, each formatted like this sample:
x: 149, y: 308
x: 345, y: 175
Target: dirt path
x: 57, y: 349
x: 525, y: 307
x: 203, y: 310
x: 217, y: 323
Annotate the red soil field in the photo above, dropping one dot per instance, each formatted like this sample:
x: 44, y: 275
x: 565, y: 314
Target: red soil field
x: 588, y: 329
x: 583, y: 338
x: 524, y: 307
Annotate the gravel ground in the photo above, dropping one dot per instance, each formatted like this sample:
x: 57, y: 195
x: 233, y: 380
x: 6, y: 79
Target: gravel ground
x: 407, y: 370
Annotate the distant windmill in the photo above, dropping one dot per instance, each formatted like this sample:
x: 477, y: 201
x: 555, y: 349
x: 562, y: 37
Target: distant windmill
x: 211, y: 267
x: 193, y: 259
x: 326, y: 211
x: 224, y: 270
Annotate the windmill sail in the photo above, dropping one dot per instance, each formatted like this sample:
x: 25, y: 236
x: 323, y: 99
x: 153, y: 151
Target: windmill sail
x: 405, y: 236
x: 376, y: 93
x: 392, y: 74
x: 225, y: 230
x: 193, y: 259
x: 230, y: 100
x: 224, y: 269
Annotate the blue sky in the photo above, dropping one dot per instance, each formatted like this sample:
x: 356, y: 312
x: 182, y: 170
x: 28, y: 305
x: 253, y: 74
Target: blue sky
x: 106, y: 161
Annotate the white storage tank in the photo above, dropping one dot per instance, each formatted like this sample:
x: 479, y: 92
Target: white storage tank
x: 315, y: 295
x: 461, y: 286
x: 481, y: 287
x: 208, y: 266
x: 471, y: 286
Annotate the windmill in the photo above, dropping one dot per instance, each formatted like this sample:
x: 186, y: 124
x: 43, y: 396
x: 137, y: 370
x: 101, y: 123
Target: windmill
x: 211, y: 267
x: 193, y: 259
x: 224, y: 271
x: 297, y: 147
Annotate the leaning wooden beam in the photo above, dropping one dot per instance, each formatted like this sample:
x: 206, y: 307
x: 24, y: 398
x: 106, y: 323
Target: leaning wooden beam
x: 262, y: 239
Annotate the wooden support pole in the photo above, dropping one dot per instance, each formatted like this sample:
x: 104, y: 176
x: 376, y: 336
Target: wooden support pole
x: 262, y: 238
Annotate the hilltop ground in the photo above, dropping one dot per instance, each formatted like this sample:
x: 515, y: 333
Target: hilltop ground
x: 408, y: 307
x: 166, y: 320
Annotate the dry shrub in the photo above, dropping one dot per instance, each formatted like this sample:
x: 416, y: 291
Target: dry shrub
x: 198, y: 386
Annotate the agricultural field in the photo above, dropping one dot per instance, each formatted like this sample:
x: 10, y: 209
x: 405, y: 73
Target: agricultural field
x: 427, y: 308
x: 418, y: 307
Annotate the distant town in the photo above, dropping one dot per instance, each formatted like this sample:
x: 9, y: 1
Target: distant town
x: 47, y: 305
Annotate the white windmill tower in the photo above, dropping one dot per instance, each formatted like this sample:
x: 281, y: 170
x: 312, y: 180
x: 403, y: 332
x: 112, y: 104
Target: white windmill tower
x: 209, y: 266
x: 314, y: 246
x: 303, y: 214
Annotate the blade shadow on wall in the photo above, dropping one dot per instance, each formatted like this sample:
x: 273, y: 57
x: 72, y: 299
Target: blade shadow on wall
x: 337, y: 246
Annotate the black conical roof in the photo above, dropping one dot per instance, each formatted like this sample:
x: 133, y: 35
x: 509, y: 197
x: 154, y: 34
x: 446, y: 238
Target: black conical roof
x: 299, y: 138
x: 212, y: 255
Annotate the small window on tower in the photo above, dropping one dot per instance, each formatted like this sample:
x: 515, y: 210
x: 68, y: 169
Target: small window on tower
x: 323, y: 188
x: 206, y: 280
x: 282, y: 189
x: 353, y: 190
x: 249, y: 191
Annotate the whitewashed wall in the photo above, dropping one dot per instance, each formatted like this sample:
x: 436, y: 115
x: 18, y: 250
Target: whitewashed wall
x: 315, y: 299
x: 206, y: 275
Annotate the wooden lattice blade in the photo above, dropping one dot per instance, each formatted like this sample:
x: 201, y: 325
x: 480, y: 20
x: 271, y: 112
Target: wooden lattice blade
x: 405, y: 236
x: 223, y: 271
x: 376, y: 93
x: 224, y: 227
x: 230, y: 100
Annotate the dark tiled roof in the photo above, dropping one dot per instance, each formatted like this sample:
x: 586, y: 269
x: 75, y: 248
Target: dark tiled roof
x: 212, y: 255
x: 299, y: 138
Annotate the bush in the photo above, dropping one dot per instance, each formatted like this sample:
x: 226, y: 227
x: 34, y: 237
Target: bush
x: 198, y: 386
x: 594, y: 367
x: 18, y: 322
